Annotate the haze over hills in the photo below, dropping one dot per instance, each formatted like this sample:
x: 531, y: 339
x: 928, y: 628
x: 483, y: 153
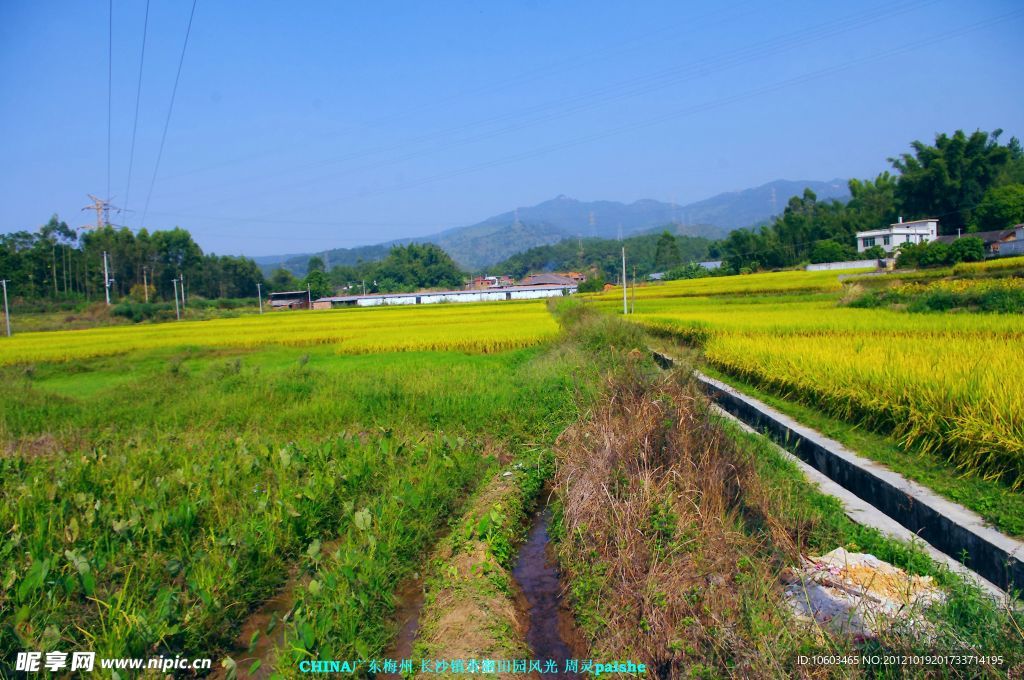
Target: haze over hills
x: 496, y: 238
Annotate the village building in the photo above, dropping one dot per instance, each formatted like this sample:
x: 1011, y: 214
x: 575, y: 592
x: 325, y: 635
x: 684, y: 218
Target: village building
x: 1016, y: 246
x: 895, y: 235
x: 995, y: 241
x: 548, y: 280
x: 485, y: 282
x: 292, y: 299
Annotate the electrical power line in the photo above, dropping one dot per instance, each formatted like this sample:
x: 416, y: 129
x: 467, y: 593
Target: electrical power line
x: 110, y: 83
x: 170, y: 109
x: 641, y: 41
x: 778, y: 85
x: 138, y: 96
x: 605, y: 94
x: 689, y: 110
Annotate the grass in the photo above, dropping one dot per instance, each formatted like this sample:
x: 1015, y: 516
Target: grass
x: 470, y: 609
x: 151, y: 500
x: 968, y: 620
x: 159, y: 483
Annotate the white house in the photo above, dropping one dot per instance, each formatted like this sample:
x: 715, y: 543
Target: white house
x: 889, y: 239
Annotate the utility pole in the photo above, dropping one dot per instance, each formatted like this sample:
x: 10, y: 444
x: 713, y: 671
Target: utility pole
x: 625, y: 309
x: 177, y: 312
x: 632, y: 294
x: 309, y: 297
x: 259, y: 295
x: 106, y: 277
x: 181, y: 281
x: 7, y: 312
x: 145, y: 285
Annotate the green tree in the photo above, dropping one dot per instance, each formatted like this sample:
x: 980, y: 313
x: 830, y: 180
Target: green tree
x: 282, y: 280
x: 687, y: 271
x: 948, y: 179
x: 319, y: 284
x: 316, y: 264
x: 666, y: 253
x: 874, y: 253
x: 831, y: 251
x: 909, y: 254
x: 936, y: 254
x: 1001, y: 208
x: 967, y: 249
x: 872, y: 204
x: 594, y: 284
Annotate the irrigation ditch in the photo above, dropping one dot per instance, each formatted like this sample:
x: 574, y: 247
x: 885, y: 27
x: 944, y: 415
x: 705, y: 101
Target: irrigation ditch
x: 995, y: 560
x: 551, y: 631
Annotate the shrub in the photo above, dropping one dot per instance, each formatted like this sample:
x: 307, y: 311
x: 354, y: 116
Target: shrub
x: 874, y: 253
x: 968, y: 249
x: 832, y: 251
x: 935, y: 254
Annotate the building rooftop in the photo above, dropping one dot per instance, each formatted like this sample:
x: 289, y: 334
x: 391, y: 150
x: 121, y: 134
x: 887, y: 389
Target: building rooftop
x: 986, y: 236
x: 507, y: 289
x: 547, y: 279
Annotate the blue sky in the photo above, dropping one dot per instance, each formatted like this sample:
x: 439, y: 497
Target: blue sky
x: 310, y: 125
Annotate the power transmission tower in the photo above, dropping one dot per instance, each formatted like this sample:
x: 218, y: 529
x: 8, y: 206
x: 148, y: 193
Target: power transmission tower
x: 774, y: 207
x: 102, y: 209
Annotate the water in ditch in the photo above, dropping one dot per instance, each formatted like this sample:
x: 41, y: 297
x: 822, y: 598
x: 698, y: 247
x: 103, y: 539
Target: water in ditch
x: 552, y: 632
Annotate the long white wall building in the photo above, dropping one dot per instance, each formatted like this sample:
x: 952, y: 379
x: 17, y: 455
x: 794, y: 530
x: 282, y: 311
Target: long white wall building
x: 433, y: 297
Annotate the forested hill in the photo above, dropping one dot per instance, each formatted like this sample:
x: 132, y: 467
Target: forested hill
x: 604, y: 256
x: 481, y: 245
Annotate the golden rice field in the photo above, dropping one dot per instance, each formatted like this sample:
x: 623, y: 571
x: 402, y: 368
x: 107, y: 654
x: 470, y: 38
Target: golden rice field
x: 1001, y: 264
x: 463, y: 327
x: 769, y: 282
x: 950, y: 383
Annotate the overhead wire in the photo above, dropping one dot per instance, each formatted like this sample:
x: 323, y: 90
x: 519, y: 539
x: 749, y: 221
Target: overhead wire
x: 779, y: 85
x: 606, y: 94
x: 110, y: 85
x: 138, y: 97
x: 170, y: 109
x: 618, y: 47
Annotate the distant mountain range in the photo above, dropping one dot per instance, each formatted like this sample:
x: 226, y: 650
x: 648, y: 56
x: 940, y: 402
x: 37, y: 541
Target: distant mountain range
x: 493, y: 240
